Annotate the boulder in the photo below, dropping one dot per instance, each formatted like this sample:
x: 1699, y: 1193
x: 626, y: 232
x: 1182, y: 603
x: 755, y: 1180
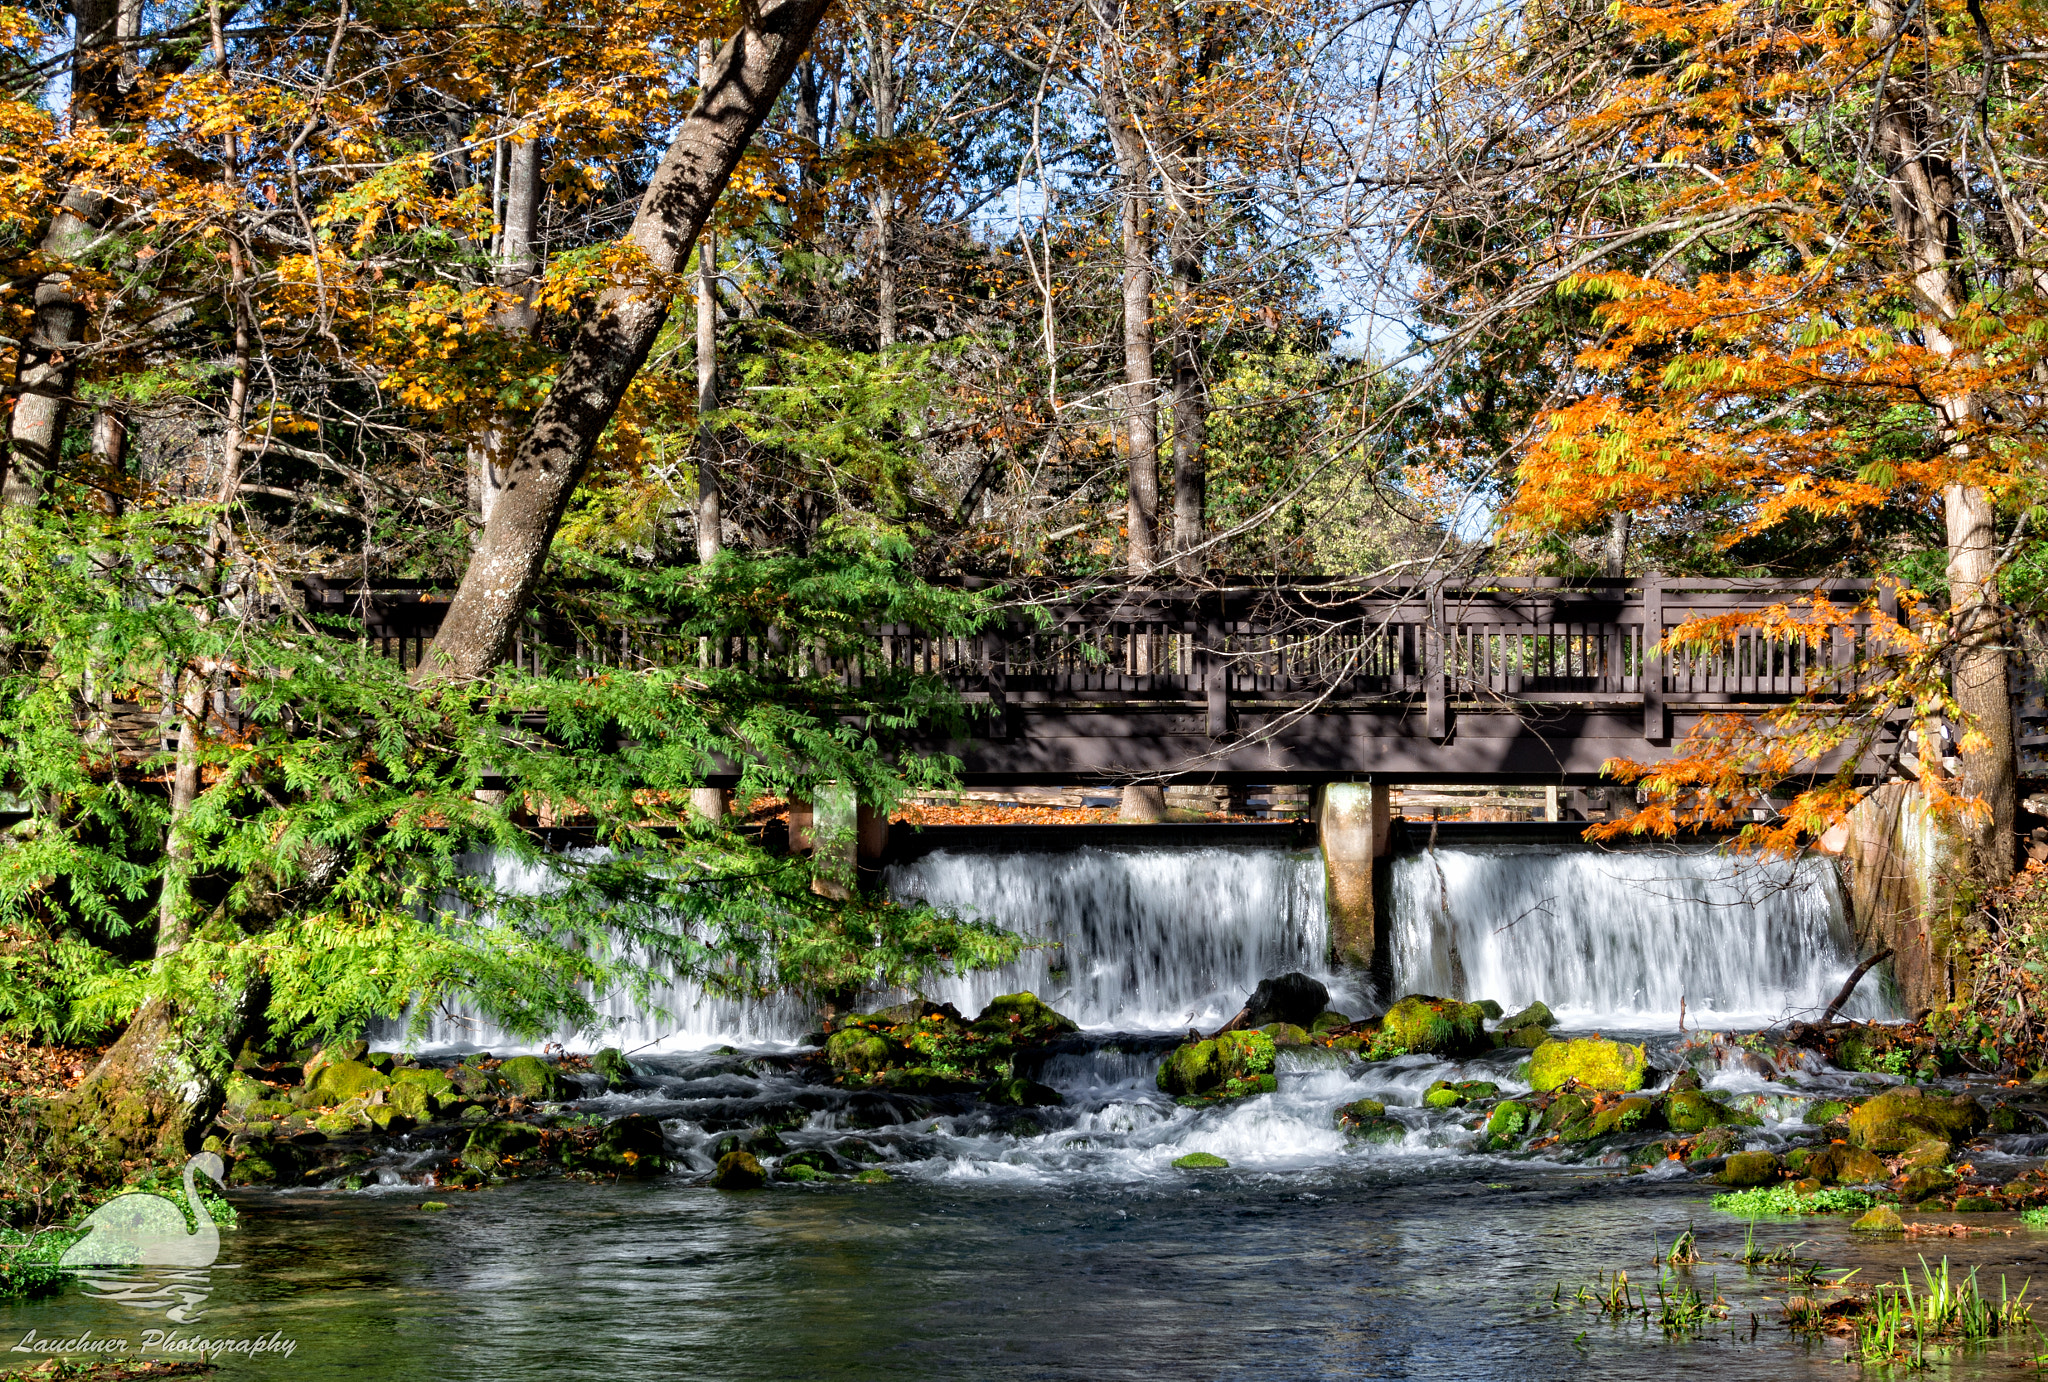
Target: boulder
x: 1505, y: 1125
x: 470, y: 1079
x: 1535, y: 1015
x: 1590, y: 1062
x: 1752, y: 1168
x: 1854, y: 1166
x: 1359, y: 1112
x: 874, y: 1175
x: 738, y: 1171
x: 1490, y: 1008
x: 530, y: 1077
x: 629, y: 1146
x: 862, y: 1051
x: 1295, y: 999
x: 1825, y: 1111
x: 1898, y: 1118
x: 1627, y: 1116
x: 334, y: 1051
x: 1979, y: 1204
x: 274, y: 1164
x: 341, y: 1080
x: 1438, y: 1026
x: 1024, y: 1093
x: 1328, y: 1022
x: 1925, y: 1184
x: 1566, y: 1113
x: 1022, y: 1017
x: 493, y: 1142
x: 243, y: 1091
x: 1286, y: 1034
x: 419, y: 1094
x: 611, y: 1066
x: 1199, y: 1161
x: 1692, y: 1110
x: 335, y: 1124
x: 1528, y: 1038
x: 1883, y: 1219
x: 1231, y: 1066
x: 1442, y: 1095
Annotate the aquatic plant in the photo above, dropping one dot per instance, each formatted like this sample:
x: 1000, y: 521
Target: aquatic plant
x: 1684, y: 1249
x: 2036, y: 1217
x: 1787, y: 1200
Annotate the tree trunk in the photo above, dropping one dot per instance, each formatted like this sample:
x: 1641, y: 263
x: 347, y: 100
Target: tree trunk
x: 1614, y: 558
x: 103, y: 73
x: 1140, y: 392
x: 609, y: 350
x: 1190, y: 396
x: 883, y: 90
x: 710, y: 499
x: 518, y: 270
x: 1925, y: 191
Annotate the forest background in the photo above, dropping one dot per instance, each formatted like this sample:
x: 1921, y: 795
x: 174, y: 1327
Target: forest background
x: 656, y: 327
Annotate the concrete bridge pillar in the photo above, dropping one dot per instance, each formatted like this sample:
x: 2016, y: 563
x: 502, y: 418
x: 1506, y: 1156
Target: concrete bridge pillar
x: 843, y: 836
x: 1353, y: 825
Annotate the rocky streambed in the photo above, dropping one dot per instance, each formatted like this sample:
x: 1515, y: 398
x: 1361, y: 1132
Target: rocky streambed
x: 1290, y: 1086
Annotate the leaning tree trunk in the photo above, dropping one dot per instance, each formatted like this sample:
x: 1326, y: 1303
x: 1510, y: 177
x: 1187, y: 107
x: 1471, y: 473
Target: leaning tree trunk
x: 750, y: 71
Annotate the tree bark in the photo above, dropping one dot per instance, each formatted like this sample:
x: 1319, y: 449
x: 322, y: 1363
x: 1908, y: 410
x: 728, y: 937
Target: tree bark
x: 748, y: 74
x: 884, y: 91
x: 1190, y: 394
x: 1614, y: 557
x: 518, y: 270
x: 710, y: 499
x: 1925, y: 190
x: 1140, y: 391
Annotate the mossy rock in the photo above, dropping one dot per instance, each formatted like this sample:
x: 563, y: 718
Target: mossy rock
x: 1898, y: 1118
x: 275, y: 1164
x: 530, y: 1077
x: 470, y: 1079
x: 612, y: 1067
x: 738, y: 1171
x: 1476, y: 1089
x: 2006, y: 1119
x: 1752, y: 1168
x: 861, y: 1051
x: 270, y: 1108
x: 493, y: 1142
x: 1019, y: 1092
x: 1359, y: 1112
x: 1505, y: 1125
x: 1630, y: 1115
x: 1024, y: 1018
x: 1590, y: 1062
x: 1355, y: 1041
x: 352, y: 1051
x: 1714, y: 1142
x: 1230, y: 1066
x: 1693, y: 1110
x: 1928, y: 1154
x: 1491, y: 1009
x: 629, y: 1146
x: 1286, y: 1034
x: 800, y: 1173
x: 1979, y: 1204
x: 1199, y: 1161
x: 341, y: 1080
x: 1437, y: 1026
x: 242, y: 1091
x: 874, y: 1175
x: 1566, y: 1111
x: 1826, y: 1111
x: 1442, y: 1094
x: 1854, y: 1166
x: 335, y: 1124
x: 1328, y: 1022
x: 1535, y: 1015
x: 1925, y: 1184
x: 1882, y: 1219
x: 1527, y: 1038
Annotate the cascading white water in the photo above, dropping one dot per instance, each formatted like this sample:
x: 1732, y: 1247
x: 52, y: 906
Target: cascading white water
x: 1618, y: 938
x: 1154, y: 939
x: 1163, y: 938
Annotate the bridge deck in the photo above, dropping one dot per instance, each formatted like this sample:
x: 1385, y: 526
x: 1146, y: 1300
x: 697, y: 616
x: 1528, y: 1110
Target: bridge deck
x: 1537, y: 680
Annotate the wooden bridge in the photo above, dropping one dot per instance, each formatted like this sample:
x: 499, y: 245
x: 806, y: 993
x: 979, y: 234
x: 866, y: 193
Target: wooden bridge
x: 1535, y: 680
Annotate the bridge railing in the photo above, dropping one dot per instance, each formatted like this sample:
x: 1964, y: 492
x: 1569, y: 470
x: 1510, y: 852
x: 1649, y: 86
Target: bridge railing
x: 1508, y: 643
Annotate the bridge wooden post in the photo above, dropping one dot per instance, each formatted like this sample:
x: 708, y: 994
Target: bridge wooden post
x: 1435, y: 676
x: 1652, y: 671
x: 1214, y: 670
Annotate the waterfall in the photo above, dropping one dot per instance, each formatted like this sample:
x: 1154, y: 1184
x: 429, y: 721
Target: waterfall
x: 1160, y: 938
x: 1618, y: 938
x: 1166, y: 937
